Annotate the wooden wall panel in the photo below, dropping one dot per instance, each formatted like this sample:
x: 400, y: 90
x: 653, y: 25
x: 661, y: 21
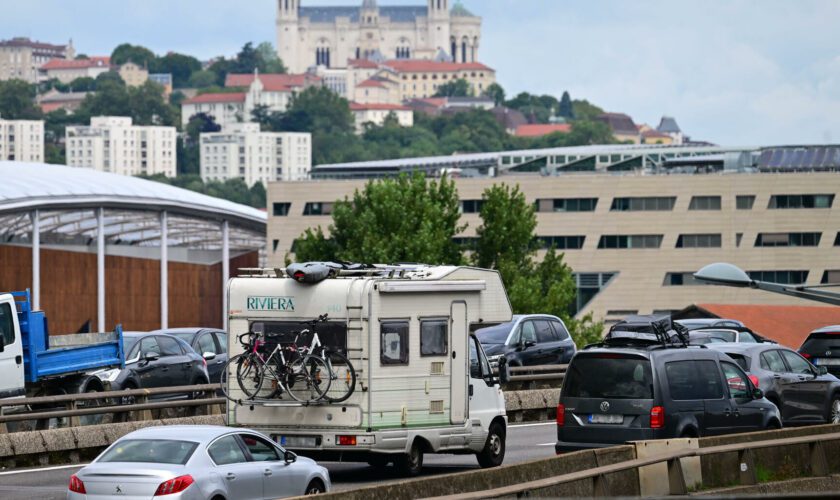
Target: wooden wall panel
x: 132, y: 289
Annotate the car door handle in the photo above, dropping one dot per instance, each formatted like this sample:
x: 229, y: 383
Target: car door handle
x: 267, y: 472
x: 164, y: 369
x: 19, y: 359
x: 220, y: 362
x: 230, y: 476
x: 737, y: 412
x: 727, y: 412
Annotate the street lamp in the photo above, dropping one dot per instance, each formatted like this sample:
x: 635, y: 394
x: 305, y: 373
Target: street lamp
x: 724, y: 274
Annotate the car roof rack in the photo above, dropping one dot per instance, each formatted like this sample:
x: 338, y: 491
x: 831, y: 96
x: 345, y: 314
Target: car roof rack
x: 645, y: 331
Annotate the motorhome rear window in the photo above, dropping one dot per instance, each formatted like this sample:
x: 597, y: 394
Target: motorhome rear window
x: 433, y: 337
x: 609, y: 376
x: 332, y: 334
x: 393, y: 342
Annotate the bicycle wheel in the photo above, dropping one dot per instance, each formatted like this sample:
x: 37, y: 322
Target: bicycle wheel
x: 342, y: 376
x: 249, y: 375
x: 308, y: 379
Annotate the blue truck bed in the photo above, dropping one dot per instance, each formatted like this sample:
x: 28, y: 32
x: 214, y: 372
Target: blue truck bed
x: 40, y: 362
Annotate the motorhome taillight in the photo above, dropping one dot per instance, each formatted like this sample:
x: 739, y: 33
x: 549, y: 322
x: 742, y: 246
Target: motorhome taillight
x: 657, y: 417
x: 561, y: 415
x: 299, y: 276
x: 346, y: 440
x: 754, y: 380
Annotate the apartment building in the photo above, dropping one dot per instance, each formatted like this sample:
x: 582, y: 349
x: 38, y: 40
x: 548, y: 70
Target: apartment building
x: 22, y: 140
x: 114, y: 144
x: 21, y: 58
x: 242, y: 151
x: 65, y: 70
x: 376, y: 114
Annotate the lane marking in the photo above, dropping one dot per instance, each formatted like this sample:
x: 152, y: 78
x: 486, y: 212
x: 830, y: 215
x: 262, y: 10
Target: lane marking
x: 27, y: 471
x: 514, y: 426
x: 546, y: 444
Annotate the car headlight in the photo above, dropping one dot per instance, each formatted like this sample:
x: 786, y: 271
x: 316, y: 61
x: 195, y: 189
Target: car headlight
x: 109, y: 375
x: 495, y: 358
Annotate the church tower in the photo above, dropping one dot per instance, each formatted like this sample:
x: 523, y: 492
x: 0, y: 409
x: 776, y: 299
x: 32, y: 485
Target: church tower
x: 439, y: 27
x: 287, y: 35
x: 369, y: 31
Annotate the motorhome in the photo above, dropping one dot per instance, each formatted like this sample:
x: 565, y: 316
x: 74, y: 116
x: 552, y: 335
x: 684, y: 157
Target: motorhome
x: 423, y: 381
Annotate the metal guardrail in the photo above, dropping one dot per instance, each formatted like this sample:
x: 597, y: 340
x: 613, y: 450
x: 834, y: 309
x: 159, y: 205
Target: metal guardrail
x: 75, y: 406
x: 540, y: 372
x: 676, y: 479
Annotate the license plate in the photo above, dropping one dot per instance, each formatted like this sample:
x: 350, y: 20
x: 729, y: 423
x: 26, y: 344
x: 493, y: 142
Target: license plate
x: 827, y: 361
x: 597, y: 418
x: 297, y: 441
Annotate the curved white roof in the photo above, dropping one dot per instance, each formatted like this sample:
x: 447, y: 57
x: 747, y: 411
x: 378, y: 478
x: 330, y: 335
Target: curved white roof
x: 131, y: 206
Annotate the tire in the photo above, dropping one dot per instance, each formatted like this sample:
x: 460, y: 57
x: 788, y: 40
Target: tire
x: 315, y: 487
x: 342, y: 377
x: 91, y: 403
x: 773, y: 425
x: 833, y: 413
x: 493, y: 453
x: 411, y: 464
x: 308, y: 379
x: 249, y: 376
x: 198, y: 394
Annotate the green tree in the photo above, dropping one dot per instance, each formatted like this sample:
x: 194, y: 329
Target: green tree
x: 454, y: 88
x: 247, y: 60
x: 83, y: 84
x: 584, y: 110
x: 180, y: 66
x: 566, y: 108
x: 506, y: 236
x: 271, y: 63
x: 496, y: 92
x: 17, y: 101
x: 148, y: 107
x: 202, y: 79
x: 109, y: 76
x: 137, y: 54
x: 407, y: 219
x: 201, y: 122
x: 258, y: 195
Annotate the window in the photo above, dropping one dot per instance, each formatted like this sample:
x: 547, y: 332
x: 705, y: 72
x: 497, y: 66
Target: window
x: 222, y: 339
x: 526, y: 333
x: 567, y: 205
x: 681, y: 279
x: 772, y: 360
x: 746, y: 338
x: 788, y: 239
x: 333, y: 334
x: 260, y: 449
x: 618, y: 378
x: 206, y: 344
x: 281, y: 209
x: 471, y: 206
x: 394, y: 343
x: 738, y: 238
x: 831, y: 276
x: 699, y: 241
x: 7, y: 324
x: 168, y: 346
x: 147, y: 345
x: 544, y: 332
x: 797, y: 363
x: 630, y: 241
x: 682, y: 380
x: 152, y: 451
x: 562, y: 242
x: 478, y: 370
x: 226, y: 451
x: 644, y: 204
x: 782, y: 277
x: 318, y: 208
x: 744, y: 202
x: 790, y: 201
x: 837, y: 240
x: 560, y: 330
x: 433, y: 337
x: 739, y: 388
x: 704, y: 203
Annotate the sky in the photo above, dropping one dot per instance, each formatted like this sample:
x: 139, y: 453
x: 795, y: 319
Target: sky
x: 733, y: 72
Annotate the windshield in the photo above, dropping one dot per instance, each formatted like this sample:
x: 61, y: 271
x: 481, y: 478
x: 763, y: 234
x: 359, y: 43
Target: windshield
x: 618, y: 377
x: 128, y: 344
x: 724, y: 335
x: 155, y: 451
x: 494, y: 334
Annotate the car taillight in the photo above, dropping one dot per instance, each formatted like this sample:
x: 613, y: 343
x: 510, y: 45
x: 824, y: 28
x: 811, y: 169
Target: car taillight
x: 805, y: 355
x: 561, y: 415
x: 347, y: 440
x: 657, y: 417
x: 76, y: 485
x: 754, y: 380
x: 174, y: 485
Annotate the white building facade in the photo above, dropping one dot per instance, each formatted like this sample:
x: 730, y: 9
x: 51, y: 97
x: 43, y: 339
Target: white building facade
x: 114, y: 144
x: 225, y: 108
x: 376, y: 114
x: 65, y: 70
x: 21, y: 58
x: 22, y: 140
x: 242, y: 151
x: 330, y: 36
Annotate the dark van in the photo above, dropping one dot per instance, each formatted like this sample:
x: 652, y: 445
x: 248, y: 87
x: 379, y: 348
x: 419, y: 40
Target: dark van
x: 614, y: 394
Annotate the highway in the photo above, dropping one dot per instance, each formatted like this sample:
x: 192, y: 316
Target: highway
x: 524, y: 442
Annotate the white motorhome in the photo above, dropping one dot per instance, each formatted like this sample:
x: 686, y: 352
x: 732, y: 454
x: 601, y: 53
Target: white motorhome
x: 423, y: 382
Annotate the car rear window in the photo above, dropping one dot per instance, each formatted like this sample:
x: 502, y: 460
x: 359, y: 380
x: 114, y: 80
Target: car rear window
x: 609, y: 376
x: 821, y: 342
x: 725, y: 335
x: 740, y: 360
x: 154, y: 451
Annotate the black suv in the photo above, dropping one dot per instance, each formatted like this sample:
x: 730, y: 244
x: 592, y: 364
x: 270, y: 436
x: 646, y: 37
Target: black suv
x: 822, y: 348
x: 637, y: 386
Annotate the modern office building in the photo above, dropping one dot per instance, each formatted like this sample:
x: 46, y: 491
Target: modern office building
x: 22, y: 140
x: 634, y: 238
x: 242, y: 151
x: 113, y: 144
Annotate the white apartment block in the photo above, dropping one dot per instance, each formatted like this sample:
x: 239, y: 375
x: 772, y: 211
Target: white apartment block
x: 242, y: 151
x: 22, y: 140
x: 376, y: 114
x: 114, y: 144
x: 21, y: 58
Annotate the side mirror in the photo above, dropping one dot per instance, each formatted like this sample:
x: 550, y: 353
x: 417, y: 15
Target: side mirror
x: 289, y: 457
x: 504, y: 370
x: 527, y: 344
x: 757, y: 393
x: 151, y: 356
x: 209, y: 355
x: 822, y: 370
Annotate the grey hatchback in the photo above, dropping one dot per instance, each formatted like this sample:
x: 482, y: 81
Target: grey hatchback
x: 805, y: 394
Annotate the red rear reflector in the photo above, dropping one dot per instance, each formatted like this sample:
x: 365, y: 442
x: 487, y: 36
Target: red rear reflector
x: 657, y: 417
x: 347, y: 440
x: 174, y: 485
x: 76, y: 485
x: 561, y: 415
x: 754, y: 380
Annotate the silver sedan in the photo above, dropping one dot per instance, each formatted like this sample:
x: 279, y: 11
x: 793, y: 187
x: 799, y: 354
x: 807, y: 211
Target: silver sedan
x: 197, y: 462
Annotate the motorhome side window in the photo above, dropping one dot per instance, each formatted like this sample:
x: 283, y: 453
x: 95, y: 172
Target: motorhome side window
x: 393, y: 342
x: 433, y: 337
x: 7, y: 325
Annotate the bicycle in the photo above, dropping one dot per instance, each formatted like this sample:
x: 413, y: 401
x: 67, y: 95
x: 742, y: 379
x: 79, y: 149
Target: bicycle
x: 342, y: 374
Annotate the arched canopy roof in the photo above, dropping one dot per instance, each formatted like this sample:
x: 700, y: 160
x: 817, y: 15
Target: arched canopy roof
x: 68, y: 199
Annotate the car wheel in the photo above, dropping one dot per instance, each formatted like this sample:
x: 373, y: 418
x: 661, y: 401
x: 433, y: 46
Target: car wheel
x: 834, y: 410
x: 411, y: 464
x: 493, y: 453
x: 198, y: 394
x: 128, y: 400
x: 315, y: 487
x: 773, y: 425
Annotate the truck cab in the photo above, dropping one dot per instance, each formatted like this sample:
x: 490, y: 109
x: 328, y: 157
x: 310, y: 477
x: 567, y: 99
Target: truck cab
x: 11, y: 350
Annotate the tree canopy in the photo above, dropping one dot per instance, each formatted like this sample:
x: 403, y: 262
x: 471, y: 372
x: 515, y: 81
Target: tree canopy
x: 454, y: 88
x: 17, y: 101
